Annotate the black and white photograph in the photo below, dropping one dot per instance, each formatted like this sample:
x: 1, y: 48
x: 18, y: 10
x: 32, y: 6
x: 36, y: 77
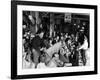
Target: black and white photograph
x: 53, y: 40
x: 49, y: 39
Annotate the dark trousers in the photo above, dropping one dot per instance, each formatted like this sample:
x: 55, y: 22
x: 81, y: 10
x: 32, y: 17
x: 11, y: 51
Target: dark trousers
x: 36, y: 55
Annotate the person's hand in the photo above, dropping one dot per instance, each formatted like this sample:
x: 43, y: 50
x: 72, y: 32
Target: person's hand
x: 41, y: 49
x: 44, y: 49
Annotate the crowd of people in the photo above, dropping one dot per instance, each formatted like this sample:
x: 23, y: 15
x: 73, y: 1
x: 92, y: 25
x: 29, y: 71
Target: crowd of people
x: 61, y: 49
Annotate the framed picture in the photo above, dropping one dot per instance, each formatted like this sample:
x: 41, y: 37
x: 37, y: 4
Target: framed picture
x: 53, y: 39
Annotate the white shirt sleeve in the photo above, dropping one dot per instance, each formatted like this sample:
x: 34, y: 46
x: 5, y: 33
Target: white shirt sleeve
x: 85, y: 44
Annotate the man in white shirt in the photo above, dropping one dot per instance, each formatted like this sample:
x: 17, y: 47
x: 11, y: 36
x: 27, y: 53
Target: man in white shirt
x: 84, y: 51
x: 42, y: 62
